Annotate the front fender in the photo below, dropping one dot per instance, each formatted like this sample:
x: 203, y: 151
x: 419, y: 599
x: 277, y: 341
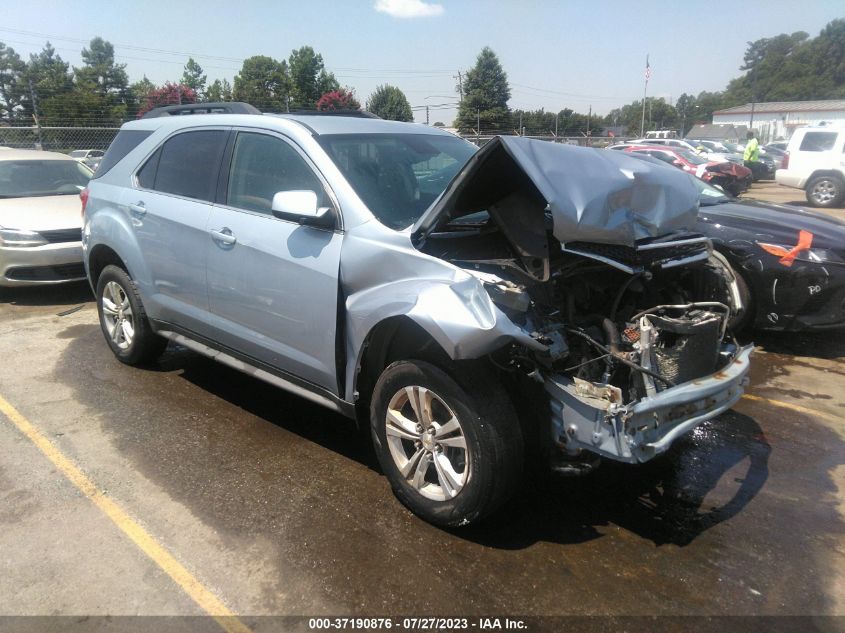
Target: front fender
x: 457, y: 313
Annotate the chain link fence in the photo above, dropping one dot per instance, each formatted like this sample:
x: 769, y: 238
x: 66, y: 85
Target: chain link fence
x: 583, y: 141
x: 57, y: 139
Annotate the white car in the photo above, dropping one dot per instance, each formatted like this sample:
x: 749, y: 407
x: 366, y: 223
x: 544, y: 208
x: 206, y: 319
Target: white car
x: 40, y: 218
x: 815, y: 162
x: 90, y: 157
x: 679, y: 144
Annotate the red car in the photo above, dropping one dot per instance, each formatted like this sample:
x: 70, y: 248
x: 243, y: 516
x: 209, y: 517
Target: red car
x: 729, y: 176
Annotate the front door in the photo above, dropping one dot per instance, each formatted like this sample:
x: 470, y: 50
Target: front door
x: 273, y: 283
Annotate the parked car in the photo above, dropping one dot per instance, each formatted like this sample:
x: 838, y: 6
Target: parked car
x: 790, y: 261
x: 40, y: 223
x: 781, y: 145
x: 667, y: 142
x: 90, y: 157
x: 715, y: 150
x: 470, y: 306
x: 815, y: 163
x: 775, y: 153
x: 730, y: 176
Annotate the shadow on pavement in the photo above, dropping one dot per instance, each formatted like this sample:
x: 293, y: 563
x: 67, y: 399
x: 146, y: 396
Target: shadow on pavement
x: 74, y: 293
x: 828, y: 345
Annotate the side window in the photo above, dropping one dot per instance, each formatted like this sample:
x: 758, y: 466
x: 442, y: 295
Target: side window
x: 264, y: 165
x: 818, y: 141
x: 123, y: 143
x: 147, y: 174
x: 188, y: 164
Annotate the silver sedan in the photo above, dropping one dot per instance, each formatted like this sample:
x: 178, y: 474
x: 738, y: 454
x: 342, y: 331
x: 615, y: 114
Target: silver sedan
x: 40, y: 218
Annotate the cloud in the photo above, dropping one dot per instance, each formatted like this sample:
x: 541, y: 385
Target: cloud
x: 408, y: 8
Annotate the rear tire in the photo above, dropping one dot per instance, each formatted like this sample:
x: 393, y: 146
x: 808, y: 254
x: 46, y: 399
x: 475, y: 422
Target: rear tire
x: 825, y: 191
x: 450, y: 445
x: 123, y: 319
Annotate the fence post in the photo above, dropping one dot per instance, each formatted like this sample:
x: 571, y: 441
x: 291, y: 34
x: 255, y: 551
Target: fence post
x: 34, y: 98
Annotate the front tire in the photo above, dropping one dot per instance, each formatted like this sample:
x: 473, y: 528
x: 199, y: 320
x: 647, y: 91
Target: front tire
x: 451, y: 447
x: 123, y: 319
x: 825, y: 191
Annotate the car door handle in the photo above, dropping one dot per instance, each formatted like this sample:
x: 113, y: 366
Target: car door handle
x: 224, y: 236
x: 139, y: 210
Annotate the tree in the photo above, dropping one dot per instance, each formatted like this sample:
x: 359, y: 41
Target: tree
x: 219, y: 91
x: 193, y: 77
x: 101, y: 71
x: 340, y: 99
x: 390, y: 103
x: 168, y: 94
x: 308, y: 78
x: 264, y: 83
x: 12, y: 85
x: 486, y: 95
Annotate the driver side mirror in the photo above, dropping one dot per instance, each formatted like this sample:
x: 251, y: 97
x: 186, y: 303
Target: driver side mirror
x: 301, y: 206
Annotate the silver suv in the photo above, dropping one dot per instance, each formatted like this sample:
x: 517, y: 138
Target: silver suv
x: 475, y: 308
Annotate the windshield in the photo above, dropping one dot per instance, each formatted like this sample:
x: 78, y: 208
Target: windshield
x: 707, y: 194
x: 77, y: 153
x: 29, y: 178
x: 732, y: 147
x: 398, y: 176
x: 691, y: 157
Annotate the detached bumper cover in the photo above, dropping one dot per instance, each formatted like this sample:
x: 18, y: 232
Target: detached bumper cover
x: 585, y: 417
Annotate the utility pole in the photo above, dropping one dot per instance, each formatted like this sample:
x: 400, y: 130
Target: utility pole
x: 557, y: 115
x: 520, y: 122
x: 34, y: 99
x: 589, y: 116
x: 460, y: 79
x: 645, y: 89
x: 426, y: 115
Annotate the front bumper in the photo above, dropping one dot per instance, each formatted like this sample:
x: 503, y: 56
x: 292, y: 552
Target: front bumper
x: 37, y: 265
x: 584, y: 417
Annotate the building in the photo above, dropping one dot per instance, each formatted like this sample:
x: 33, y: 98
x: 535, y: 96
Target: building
x: 778, y: 119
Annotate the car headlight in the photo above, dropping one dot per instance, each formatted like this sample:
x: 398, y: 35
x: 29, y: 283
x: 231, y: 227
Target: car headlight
x: 19, y: 239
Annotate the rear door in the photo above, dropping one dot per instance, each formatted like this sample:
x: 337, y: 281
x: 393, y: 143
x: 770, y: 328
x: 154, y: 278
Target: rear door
x: 170, y: 207
x: 273, y: 283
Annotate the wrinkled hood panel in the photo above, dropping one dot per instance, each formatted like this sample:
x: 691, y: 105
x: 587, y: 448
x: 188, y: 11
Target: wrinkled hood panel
x: 591, y: 195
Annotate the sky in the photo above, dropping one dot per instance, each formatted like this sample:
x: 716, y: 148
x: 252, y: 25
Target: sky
x: 557, y: 54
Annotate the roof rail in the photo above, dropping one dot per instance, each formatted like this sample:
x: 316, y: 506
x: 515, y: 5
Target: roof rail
x: 219, y: 107
x: 358, y: 114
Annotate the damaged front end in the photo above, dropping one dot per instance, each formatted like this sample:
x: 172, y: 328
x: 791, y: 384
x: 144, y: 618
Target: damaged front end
x: 629, y: 316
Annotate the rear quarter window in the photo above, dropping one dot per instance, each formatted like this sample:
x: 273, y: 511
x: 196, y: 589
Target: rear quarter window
x: 123, y: 143
x: 818, y: 142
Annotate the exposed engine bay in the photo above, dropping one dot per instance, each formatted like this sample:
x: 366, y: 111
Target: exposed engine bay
x: 636, y: 345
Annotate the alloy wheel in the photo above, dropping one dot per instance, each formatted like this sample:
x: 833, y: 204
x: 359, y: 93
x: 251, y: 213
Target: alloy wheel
x: 823, y: 192
x: 117, y: 315
x: 427, y: 443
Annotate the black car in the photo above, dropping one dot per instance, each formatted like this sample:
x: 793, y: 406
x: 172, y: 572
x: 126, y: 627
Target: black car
x: 790, y: 261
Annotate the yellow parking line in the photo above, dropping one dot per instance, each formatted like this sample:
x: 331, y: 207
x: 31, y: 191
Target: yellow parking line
x: 794, y: 407
x: 207, y: 601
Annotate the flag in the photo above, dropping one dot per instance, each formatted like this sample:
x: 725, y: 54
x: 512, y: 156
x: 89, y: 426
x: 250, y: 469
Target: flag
x: 647, y: 69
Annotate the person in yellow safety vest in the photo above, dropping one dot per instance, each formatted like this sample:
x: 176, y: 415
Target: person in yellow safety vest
x: 751, y: 157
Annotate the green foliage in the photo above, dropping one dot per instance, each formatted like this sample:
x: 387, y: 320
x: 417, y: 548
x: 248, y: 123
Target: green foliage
x: 308, y: 78
x: 194, y: 78
x: 219, y: 91
x: 12, y: 84
x: 264, y: 83
x: 390, y: 103
x: 486, y: 95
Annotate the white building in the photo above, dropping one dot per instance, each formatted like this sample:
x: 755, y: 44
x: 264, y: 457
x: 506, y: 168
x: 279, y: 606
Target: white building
x: 778, y: 119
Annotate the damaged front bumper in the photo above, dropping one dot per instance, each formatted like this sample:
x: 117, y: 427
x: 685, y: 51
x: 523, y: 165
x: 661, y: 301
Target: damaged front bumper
x: 588, y: 416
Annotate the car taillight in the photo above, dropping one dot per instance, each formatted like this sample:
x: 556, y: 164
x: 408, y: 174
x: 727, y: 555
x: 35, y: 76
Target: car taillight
x: 785, y: 163
x: 83, y: 195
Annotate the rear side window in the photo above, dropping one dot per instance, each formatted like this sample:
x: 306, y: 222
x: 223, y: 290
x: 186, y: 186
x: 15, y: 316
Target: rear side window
x: 818, y: 141
x: 123, y: 143
x: 186, y: 165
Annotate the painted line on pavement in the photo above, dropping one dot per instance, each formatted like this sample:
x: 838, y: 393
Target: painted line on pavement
x: 204, y: 597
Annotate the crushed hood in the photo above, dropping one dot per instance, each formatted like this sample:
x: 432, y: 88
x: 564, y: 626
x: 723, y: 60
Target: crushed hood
x: 592, y: 195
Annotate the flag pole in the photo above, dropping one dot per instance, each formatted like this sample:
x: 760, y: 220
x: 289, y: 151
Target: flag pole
x: 645, y: 88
